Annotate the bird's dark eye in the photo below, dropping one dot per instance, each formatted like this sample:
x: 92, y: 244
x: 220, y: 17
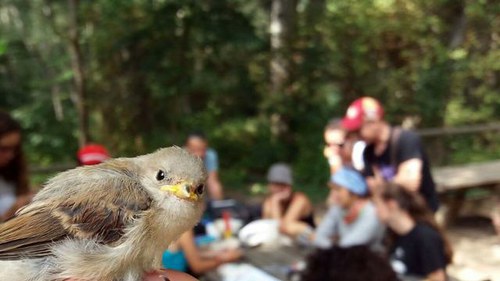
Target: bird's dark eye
x: 161, y: 175
x: 200, y: 189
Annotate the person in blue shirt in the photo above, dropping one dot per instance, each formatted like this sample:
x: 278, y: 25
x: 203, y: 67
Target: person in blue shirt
x: 197, y: 144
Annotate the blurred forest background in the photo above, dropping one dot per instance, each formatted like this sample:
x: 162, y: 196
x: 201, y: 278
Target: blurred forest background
x: 260, y: 77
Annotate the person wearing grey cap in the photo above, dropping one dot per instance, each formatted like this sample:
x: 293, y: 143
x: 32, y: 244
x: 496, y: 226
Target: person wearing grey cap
x: 292, y: 209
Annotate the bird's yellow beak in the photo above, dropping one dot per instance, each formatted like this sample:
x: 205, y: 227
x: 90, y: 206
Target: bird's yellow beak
x: 183, y: 190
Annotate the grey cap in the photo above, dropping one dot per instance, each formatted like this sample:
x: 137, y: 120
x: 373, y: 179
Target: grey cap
x: 280, y: 173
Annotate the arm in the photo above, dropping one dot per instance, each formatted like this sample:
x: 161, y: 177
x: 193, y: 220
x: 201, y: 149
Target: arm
x: 199, y: 264
x: 364, y: 230
x: 214, y: 186
x: 299, y: 207
x: 409, y: 170
x: 273, y: 205
x: 271, y: 208
x: 193, y: 257
x: 327, y: 229
x: 409, y: 174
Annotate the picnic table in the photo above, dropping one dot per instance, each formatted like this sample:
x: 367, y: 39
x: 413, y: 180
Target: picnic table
x: 276, y: 260
x: 454, y: 182
x: 456, y: 178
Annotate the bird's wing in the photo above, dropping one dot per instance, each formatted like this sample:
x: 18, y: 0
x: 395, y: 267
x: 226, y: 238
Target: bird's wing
x: 101, y: 212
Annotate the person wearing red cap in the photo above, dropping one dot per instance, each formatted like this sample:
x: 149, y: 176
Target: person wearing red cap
x: 392, y: 154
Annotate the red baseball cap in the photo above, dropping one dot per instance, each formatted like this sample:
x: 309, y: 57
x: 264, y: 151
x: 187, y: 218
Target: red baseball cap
x: 365, y: 108
x: 92, y: 154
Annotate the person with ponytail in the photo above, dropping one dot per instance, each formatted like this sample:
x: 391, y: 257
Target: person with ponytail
x: 417, y: 245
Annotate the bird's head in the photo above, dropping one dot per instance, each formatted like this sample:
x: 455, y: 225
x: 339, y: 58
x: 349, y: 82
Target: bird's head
x: 174, y: 172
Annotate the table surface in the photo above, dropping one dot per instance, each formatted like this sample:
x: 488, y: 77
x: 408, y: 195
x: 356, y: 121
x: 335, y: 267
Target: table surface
x: 276, y: 260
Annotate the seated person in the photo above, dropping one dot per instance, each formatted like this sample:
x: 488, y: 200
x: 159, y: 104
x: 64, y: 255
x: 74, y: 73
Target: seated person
x: 197, y: 144
x: 292, y: 209
x: 357, y: 263
x: 342, y: 147
x: 353, y: 221
x: 184, y: 255
x: 345, y: 149
x: 418, y: 247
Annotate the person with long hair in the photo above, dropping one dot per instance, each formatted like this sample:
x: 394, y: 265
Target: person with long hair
x: 417, y: 245
x: 14, y: 184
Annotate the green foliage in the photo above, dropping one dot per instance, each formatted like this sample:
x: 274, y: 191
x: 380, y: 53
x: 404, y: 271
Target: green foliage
x: 158, y: 69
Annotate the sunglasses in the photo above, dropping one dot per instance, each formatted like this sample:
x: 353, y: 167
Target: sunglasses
x: 339, y: 145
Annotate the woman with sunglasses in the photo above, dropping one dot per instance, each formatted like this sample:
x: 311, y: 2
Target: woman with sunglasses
x: 14, y: 185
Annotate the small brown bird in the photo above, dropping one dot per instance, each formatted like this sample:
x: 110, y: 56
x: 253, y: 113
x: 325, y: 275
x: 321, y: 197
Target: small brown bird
x: 109, y: 222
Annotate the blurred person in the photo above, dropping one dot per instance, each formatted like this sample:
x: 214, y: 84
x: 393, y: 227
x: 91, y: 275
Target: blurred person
x: 392, y: 154
x: 184, y: 255
x: 335, y: 139
x: 292, y: 209
x: 14, y: 184
x: 92, y: 154
x: 342, y: 149
x: 334, y: 136
x: 357, y: 263
x: 353, y: 221
x: 417, y: 246
x: 197, y: 144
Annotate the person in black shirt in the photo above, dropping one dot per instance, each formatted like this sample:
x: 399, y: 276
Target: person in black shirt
x: 417, y: 246
x: 391, y: 154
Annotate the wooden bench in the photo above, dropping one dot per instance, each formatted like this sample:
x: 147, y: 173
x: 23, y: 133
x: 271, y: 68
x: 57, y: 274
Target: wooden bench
x: 466, y: 176
x: 453, y: 182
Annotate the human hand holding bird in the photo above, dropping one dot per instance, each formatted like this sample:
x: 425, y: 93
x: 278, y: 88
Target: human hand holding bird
x: 109, y: 222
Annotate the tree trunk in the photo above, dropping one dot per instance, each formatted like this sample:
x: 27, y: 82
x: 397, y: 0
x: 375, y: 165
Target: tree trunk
x: 79, y: 95
x: 282, y: 27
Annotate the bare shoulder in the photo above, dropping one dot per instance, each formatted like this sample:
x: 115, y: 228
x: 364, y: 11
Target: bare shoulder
x: 300, y: 198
